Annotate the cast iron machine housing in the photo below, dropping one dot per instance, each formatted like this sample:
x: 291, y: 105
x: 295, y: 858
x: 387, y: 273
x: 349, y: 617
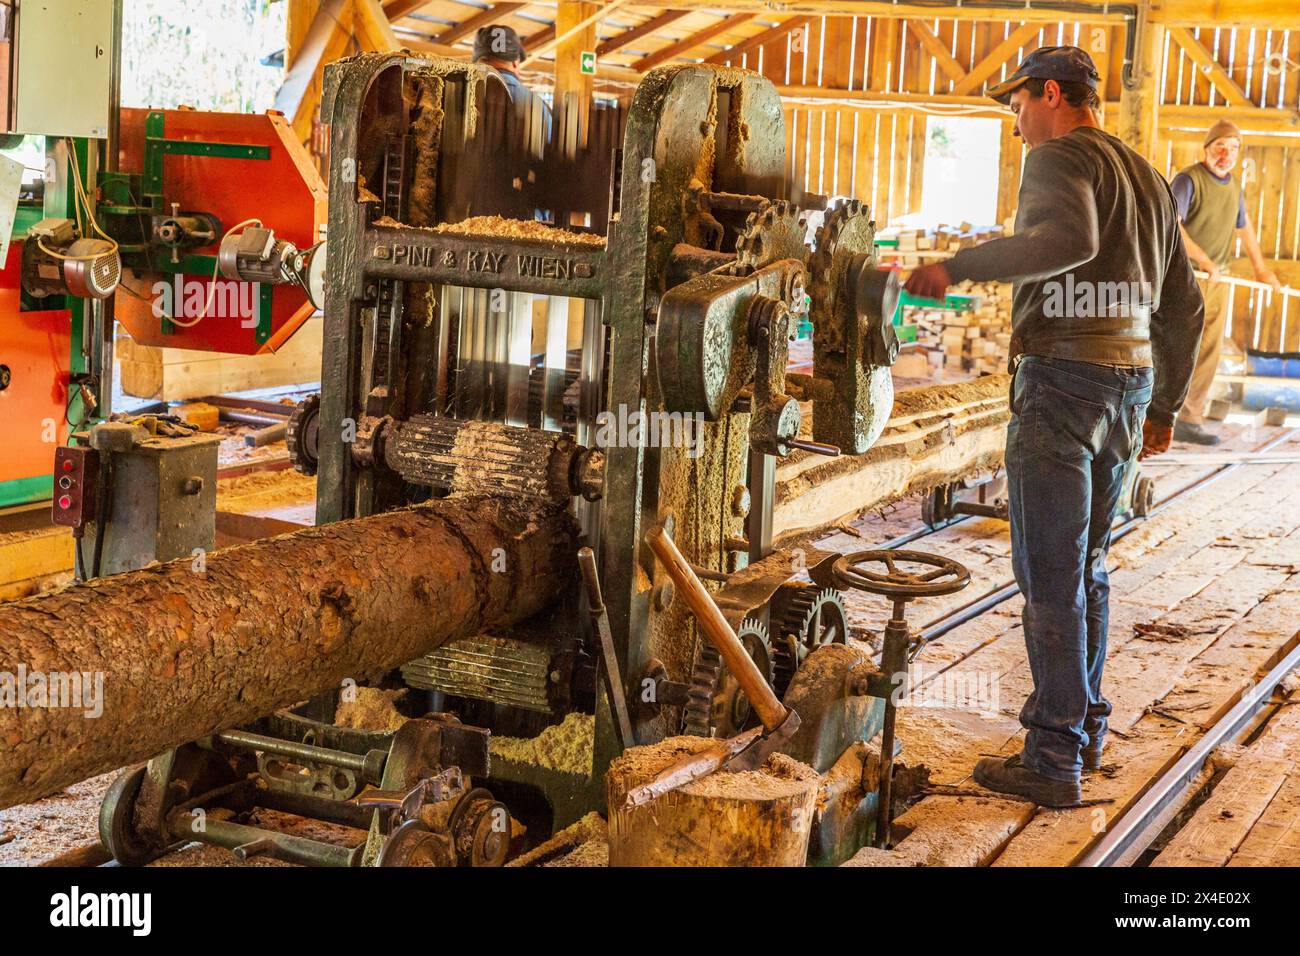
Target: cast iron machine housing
x: 686, y: 302
x: 593, y: 317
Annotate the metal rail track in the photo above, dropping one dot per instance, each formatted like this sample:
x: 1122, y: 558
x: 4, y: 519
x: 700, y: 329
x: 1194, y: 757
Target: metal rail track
x: 1125, y: 831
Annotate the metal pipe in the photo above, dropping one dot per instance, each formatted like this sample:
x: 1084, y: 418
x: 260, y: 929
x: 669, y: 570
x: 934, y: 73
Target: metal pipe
x: 238, y: 837
x: 1122, y: 833
x: 370, y: 765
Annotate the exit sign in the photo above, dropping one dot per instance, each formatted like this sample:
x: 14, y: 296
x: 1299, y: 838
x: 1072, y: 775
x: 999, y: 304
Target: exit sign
x: 587, y: 63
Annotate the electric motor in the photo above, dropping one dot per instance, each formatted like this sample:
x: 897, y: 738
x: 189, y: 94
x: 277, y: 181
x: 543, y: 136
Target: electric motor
x: 56, y: 262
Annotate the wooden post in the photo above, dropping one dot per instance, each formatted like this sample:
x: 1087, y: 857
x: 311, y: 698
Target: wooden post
x: 572, y: 88
x: 1139, y: 107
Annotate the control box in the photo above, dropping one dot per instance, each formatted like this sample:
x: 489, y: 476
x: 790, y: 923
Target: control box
x: 76, y: 475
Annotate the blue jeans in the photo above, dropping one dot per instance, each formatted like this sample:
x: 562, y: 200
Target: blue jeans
x: 1074, y: 429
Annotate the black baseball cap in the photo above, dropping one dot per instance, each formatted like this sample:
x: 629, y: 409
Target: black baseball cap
x: 1065, y: 64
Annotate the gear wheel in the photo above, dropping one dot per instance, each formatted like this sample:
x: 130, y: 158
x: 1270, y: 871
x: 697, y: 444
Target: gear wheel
x: 847, y: 230
x: 300, y: 435
x: 773, y: 233
x: 810, y: 617
x: 717, y: 707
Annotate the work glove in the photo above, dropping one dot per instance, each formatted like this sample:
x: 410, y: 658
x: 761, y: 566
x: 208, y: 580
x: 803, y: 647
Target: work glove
x: 1155, y: 439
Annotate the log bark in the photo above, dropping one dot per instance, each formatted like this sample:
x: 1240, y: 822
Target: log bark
x: 938, y: 434
x: 185, y: 651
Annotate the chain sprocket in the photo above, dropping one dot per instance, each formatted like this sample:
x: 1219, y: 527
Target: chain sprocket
x: 300, y: 434
x: 717, y: 707
x: 847, y: 230
x: 769, y: 235
x: 810, y: 618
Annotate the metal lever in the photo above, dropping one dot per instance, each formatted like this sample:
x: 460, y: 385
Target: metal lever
x: 613, y: 676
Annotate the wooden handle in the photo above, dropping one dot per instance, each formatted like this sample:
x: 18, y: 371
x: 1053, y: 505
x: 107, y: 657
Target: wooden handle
x: 718, y: 632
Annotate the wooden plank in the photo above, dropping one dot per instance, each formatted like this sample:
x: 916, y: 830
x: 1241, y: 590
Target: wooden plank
x: 326, y: 40
x: 535, y: 49
x: 494, y: 13
x: 175, y: 374
x: 1274, y: 840
x: 1222, y: 824
x: 575, y: 25
x: 692, y: 42
x: 947, y: 64
x: 394, y: 10
x: 733, y: 53
x: 651, y: 26
x: 1210, y: 67
x: 974, y: 80
x: 373, y: 31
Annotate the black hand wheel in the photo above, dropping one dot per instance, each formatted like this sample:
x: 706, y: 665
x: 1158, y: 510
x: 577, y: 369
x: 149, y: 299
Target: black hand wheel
x: 939, y: 575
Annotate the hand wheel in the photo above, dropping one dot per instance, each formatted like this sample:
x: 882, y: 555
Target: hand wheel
x: 897, y: 582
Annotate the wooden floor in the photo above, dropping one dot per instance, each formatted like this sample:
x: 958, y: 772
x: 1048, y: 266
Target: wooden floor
x: 1205, y: 599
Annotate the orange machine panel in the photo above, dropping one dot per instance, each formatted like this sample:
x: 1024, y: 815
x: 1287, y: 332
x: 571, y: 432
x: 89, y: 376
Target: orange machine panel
x: 34, y: 347
x: 284, y: 191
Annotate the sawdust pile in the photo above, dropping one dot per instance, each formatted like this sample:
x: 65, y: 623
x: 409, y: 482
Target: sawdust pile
x: 591, y: 853
x: 499, y: 226
x: 780, y: 776
x: 374, y: 709
x: 591, y: 828
x: 566, y: 747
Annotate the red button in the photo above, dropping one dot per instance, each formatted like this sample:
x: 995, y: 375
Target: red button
x: 67, y: 464
x: 65, y: 502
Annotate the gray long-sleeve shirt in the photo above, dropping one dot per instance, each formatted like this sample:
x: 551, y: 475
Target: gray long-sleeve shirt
x: 1098, y: 265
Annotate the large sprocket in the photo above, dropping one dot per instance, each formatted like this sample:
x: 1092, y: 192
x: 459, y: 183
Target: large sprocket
x: 777, y: 231
x: 864, y: 392
x: 810, y: 617
x: 716, y: 705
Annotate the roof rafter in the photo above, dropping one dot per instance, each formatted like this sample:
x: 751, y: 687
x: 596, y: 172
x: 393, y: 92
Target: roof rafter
x: 498, y: 11
x: 654, y: 24
x: 760, y: 39
x: 688, y: 43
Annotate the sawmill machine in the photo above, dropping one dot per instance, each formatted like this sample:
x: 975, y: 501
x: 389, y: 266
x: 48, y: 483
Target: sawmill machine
x: 594, y: 320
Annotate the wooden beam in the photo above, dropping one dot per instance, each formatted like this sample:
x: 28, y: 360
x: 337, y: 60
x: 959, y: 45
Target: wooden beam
x: 573, y: 30
x: 396, y: 9
x: 1139, y: 105
x: 758, y: 40
x: 883, y: 9
x: 985, y: 68
x: 573, y: 88
x: 373, y: 30
x: 653, y: 25
x: 936, y: 48
x: 326, y: 40
x: 1210, y: 67
x: 540, y: 38
x: 491, y: 15
x: 686, y: 44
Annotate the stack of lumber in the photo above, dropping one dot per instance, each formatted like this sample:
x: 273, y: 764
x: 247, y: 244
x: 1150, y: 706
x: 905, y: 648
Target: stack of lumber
x: 942, y: 242
x: 975, y: 340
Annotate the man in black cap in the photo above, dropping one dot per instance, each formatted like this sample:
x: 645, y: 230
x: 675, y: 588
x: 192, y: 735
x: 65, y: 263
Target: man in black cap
x: 1106, y: 320
x: 500, y: 48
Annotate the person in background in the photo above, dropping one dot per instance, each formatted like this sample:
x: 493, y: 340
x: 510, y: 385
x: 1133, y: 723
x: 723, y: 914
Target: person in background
x: 1212, y: 215
x: 1094, y: 382
x: 500, y: 48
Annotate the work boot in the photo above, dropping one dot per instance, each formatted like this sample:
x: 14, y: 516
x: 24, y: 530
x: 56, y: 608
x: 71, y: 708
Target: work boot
x: 1186, y: 431
x: 1010, y: 776
x: 1091, y: 759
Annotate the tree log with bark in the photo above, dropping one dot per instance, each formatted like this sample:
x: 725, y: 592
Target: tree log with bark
x: 189, y: 648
